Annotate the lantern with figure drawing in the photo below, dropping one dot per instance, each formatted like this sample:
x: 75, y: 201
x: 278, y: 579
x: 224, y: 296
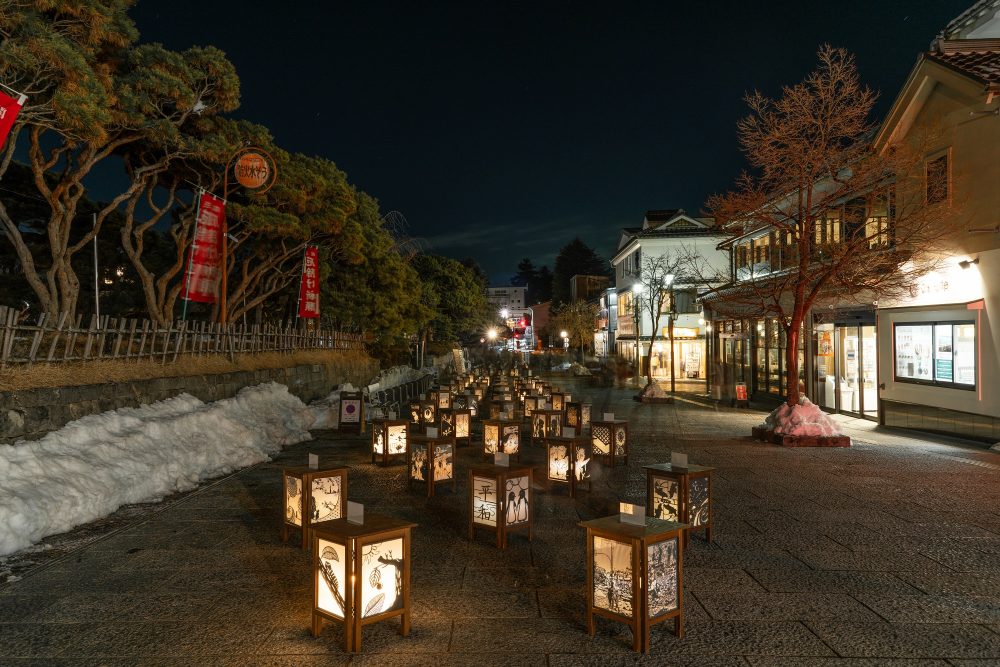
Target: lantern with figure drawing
x: 431, y: 462
x: 682, y: 494
x: 503, y: 436
x: 568, y: 462
x: 500, y: 500
x: 388, y: 440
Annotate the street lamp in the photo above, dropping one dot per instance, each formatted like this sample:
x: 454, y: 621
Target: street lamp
x: 636, y: 291
x: 565, y: 336
x: 671, y: 318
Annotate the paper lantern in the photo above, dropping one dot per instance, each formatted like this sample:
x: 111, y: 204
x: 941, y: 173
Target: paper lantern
x: 431, y: 462
x: 578, y: 415
x: 441, y: 398
x: 500, y: 500
x: 546, y: 423
x: 681, y: 494
x: 634, y: 575
x: 362, y: 575
x: 501, y: 435
x: 558, y: 401
x: 610, y: 439
x: 351, y: 412
x: 568, y: 462
x: 312, y: 495
x: 456, y: 424
x: 388, y: 440
x: 530, y: 405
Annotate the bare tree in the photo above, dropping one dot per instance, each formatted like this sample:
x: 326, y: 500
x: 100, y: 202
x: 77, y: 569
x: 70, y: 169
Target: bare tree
x: 657, y: 275
x: 831, y: 219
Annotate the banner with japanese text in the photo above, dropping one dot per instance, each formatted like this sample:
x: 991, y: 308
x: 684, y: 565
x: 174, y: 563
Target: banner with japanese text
x: 309, y: 290
x: 202, y: 278
x: 9, y: 108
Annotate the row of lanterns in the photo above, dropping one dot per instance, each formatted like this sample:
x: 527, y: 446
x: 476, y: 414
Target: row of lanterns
x: 362, y: 563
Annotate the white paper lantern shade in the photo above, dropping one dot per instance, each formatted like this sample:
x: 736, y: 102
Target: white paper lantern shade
x: 362, y: 575
x: 500, y: 501
x: 634, y: 575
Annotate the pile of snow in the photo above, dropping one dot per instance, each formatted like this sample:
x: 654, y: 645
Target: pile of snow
x: 579, y: 369
x: 92, y: 466
x: 805, y: 419
x: 653, y: 390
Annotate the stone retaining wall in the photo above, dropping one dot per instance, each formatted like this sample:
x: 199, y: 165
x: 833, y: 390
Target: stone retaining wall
x: 31, y: 414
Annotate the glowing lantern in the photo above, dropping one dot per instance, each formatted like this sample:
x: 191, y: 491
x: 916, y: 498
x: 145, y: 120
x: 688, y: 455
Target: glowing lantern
x: 568, y: 462
x: 431, y: 461
x: 501, y: 435
x: 681, y: 494
x: 456, y: 424
x: 312, y: 495
x: 634, y: 575
x: 388, y: 439
x: 530, y: 405
x: 559, y: 400
x: 500, y: 500
x: 546, y: 423
x: 441, y: 398
x: 362, y: 575
x: 610, y: 440
x: 578, y: 415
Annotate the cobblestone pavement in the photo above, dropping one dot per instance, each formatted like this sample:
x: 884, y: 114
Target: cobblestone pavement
x: 881, y: 554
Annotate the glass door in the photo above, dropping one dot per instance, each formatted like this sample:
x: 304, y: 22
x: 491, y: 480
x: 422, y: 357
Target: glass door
x: 849, y: 362
x: 869, y: 373
x: 826, y: 376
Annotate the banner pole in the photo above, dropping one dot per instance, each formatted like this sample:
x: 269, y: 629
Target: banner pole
x: 194, y: 239
x: 302, y: 277
x: 97, y: 285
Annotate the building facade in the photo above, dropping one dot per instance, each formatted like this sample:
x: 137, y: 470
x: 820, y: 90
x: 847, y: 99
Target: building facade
x: 673, y: 233
x: 927, y: 360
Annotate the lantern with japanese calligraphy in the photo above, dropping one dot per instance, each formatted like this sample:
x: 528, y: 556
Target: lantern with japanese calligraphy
x: 500, y: 500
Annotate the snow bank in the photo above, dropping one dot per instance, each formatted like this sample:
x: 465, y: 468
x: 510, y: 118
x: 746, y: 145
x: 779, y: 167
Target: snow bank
x: 653, y: 390
x: 92, y: 466
x: 579, y: 369
x: 804, y: 419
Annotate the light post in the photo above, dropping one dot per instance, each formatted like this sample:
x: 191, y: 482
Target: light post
x: 636, y: 291
x: 565, y: 338
x: 671, y: 318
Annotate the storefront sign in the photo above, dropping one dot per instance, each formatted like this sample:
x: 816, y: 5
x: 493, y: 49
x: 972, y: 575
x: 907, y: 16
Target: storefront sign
x: 252, y: 170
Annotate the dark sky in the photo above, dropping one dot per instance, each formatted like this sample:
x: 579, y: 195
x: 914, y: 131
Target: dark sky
x: 503, y: 129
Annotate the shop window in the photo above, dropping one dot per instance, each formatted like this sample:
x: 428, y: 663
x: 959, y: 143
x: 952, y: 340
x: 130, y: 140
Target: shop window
x: 938, y: 353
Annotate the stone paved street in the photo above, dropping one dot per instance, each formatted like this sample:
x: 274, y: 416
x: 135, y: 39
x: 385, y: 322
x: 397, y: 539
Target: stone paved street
x: 881, y: 554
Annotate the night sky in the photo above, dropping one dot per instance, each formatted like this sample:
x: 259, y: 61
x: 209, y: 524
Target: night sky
x: 502, y: 129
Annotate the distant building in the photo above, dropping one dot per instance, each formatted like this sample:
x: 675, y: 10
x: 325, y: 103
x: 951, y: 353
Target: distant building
x: 512, y: 298
x: 665, y: 231
x: 587, y: 288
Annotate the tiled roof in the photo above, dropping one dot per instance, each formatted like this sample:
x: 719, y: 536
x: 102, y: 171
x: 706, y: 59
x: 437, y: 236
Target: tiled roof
x: 976, y: 58
x: 662, y: 215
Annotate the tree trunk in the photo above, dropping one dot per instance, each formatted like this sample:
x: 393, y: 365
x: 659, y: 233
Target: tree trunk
x: 792, y: 358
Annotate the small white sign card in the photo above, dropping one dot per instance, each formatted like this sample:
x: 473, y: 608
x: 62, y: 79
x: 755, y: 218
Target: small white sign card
x: 678, y: 460
x: 634, y: 514
x: 501, y: 459
x: 355, y: 513
x: 609, y: 416
x: 569, y: 432
x: 432, y: 432
x: 314, y: 461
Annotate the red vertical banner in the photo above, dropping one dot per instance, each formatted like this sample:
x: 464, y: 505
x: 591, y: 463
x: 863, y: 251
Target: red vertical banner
x: 202, y: 278
x: 309, y: 290
x: 9, y: 108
